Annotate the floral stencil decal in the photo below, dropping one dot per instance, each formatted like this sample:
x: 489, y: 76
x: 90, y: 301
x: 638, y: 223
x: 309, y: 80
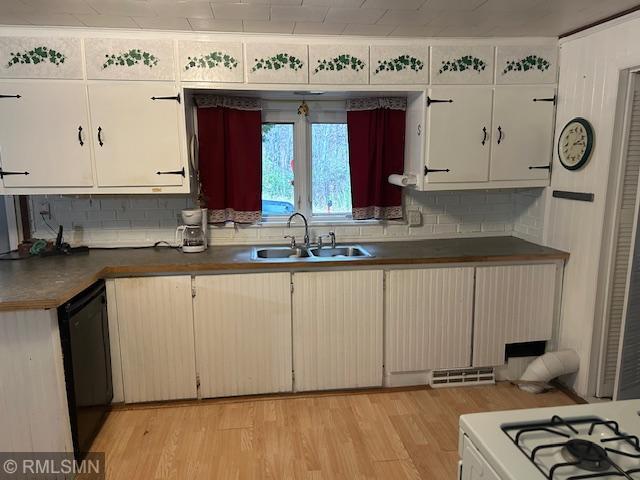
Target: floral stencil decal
x: 531, y: 62
x: 466, y: 62
x: 399, y: 63
x: 278, y: 61
x: 130, y: 58
x: 341, y: 62
x: 211, y: 60
x: 35, y: 56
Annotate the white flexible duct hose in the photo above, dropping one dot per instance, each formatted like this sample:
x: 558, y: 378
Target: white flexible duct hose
x: 547, y: 367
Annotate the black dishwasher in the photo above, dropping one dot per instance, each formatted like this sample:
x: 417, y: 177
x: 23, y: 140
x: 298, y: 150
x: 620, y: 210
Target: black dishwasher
x: 84, y: 332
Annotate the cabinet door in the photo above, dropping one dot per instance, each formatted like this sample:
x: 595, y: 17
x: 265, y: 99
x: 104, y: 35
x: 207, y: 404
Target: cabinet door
x: 513, y: 304
x: 155, y: 322
x: 43, y: 132
x: 243, y: 333
x: 337, y: 329
x: 428, y: 319
x: 474, y: 466
x: 522, y: 133
x: 458, y: 134
x: 136, y: 137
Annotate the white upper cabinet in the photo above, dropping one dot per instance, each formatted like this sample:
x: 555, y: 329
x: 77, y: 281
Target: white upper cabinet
x: 522, y: 133
x: 40, y: 57
x: 210, y: 61
x: 339, y: 64
x: 399, y: 64
x: 458, y: 131
x: 136, y: 138
x: 527, y: 64
x: 453, y: 64
x: 129, y: 59
x: 277, y: 63
x: 44, y: 131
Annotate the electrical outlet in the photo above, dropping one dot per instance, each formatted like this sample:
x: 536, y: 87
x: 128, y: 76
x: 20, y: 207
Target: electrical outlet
x: 414, y: 218
x: 45, y: 210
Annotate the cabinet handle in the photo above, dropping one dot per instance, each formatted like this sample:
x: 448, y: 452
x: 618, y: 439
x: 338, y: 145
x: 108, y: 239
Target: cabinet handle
x: 175, y: 97
x: 435, y: 100
x: 550, y: 99
x: 80, y: 141
x: 500, y: 134
x: 427, y: 170
x: 10, y: 96
x: 484, y: 138
x: 100, y: 142
x: 173, y: 172
x: 6, y: 174
x: 541, y: 167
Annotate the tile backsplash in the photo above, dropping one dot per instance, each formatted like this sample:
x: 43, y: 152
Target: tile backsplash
x: 132, y: 220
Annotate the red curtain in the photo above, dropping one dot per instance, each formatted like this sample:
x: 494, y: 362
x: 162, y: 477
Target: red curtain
x: 230, y: 163
x: 376, y: 150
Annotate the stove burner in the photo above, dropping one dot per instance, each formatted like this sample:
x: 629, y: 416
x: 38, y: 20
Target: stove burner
x: 588, y: 455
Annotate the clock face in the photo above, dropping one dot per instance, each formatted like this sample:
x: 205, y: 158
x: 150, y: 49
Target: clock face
x: 575, y: 143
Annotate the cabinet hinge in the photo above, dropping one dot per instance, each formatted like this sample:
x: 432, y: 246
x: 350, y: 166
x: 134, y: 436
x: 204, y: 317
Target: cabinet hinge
x: 291, y: 287
x: 193, y: 287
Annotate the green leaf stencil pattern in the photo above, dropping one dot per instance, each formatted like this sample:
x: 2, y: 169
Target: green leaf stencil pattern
x: 130, y: 58
x: 401, y: 62
x: 211, y: 60
x: 531, y: 62
x: 35, y: 56
x: 466, y: 62
x: 278, y: 61
x: 341, y: 62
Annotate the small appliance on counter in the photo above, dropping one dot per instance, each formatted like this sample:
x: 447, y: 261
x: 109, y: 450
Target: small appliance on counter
x: 192, y: 236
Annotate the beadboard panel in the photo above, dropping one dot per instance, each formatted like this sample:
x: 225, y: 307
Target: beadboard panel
x: 337, y: 329
x: 243, y: 333
x: 114, y: 341
x: 155, y: 319
x: 513, y: 304
x: 34, y: 414
x: 428, y: 319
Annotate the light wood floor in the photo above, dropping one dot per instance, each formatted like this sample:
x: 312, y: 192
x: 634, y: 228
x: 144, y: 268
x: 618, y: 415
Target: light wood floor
x: 382, y: 435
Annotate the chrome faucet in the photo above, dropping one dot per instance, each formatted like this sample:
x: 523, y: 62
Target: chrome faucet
x: 307, y: 243
x: 331, y: 236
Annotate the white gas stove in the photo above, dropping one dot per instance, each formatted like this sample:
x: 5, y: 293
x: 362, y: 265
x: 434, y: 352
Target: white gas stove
x: 557, y: 443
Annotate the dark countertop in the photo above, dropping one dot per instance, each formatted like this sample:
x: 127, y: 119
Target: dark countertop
x: 38, y: 283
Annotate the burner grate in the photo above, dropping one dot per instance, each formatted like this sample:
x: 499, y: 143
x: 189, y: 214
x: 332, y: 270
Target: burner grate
x: 589, y: 455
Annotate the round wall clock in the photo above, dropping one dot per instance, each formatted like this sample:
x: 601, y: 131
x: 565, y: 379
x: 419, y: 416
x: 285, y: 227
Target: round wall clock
x: 575, y: 143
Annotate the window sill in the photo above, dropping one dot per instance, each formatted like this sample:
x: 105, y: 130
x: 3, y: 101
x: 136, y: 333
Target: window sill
x: 321, y: 222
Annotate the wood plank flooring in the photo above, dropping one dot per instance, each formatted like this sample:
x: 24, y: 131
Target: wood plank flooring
x: 383, y: 435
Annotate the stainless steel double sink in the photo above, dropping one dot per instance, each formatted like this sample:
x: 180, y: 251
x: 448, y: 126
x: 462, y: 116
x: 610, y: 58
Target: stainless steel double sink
x: 313, y: 253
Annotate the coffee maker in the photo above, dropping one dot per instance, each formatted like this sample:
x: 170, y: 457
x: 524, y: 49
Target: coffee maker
x: 191, y: 237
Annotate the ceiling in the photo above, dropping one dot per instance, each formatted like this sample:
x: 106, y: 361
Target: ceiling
x: 396, y: 18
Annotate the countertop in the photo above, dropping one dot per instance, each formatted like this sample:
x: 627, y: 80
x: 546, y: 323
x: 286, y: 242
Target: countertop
x: 40, y: 283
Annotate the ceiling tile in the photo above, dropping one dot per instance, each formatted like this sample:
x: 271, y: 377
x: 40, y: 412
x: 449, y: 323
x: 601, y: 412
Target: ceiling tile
x: 294, y: 3
x: 319, y: 28
x: 211, y: 25
x: 451, y: 5
x: 57, y: 19
x: 268, y: 27
x: 512, y: 5
x: 415, y: 31
x: 182, y: 8
x: 372, y: 30
x: 394, y: 4
x: 79, y: 7
x: 240, y: 11
x: 163, y: 23
x: 471, y: 31
x: 130, y: 8
x: 354, y: 15
x: 298, y: 14
x: 334, y: 3
x: 405, y: 17
x: 12, y: 19
x: 107, y: 21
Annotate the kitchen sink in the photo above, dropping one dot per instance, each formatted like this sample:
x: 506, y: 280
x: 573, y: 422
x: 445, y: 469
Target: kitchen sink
x: 314, y: 253
x: 280, y: 253
x: 342, y: 251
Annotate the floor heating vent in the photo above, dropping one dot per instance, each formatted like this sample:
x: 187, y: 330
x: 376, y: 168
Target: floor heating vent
x: 461, y: 377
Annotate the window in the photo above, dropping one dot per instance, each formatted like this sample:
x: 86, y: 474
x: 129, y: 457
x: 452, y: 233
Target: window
x: 305, y: 165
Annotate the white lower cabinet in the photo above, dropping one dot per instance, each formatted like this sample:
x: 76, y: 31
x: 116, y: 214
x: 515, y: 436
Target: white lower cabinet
x: 513, y: 304
x: 337, y: 329
x: 155, y: 323
x: 473, y: 465
x: 243, y: 333
x: 429, y: 314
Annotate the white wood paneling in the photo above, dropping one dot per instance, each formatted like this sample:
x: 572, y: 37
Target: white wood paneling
x: 513, y: 303
x: 114, y: 341
x: 155, y: 318
x: 243, y: 333
x: 428, y: 319
x: 34, y: 416
x: 337, y: 329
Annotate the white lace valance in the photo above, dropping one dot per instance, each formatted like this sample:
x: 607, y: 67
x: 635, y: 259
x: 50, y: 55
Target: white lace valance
x: 373, y: 103
x: 237, y: 103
